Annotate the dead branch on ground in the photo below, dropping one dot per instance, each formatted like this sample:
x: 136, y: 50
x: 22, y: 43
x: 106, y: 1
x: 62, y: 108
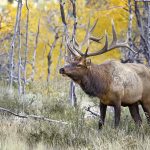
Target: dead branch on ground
x: 35, y: 117
x: 92, y: 112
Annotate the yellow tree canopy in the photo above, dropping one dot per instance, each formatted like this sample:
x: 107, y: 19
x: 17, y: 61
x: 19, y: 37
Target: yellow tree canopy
x: 49, y: 15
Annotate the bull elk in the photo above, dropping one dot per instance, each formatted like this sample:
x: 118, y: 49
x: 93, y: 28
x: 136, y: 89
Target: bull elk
x: 114, y: 83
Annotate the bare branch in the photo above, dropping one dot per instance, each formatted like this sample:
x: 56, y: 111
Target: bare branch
x: 62, y: 12
x: 7, y: 37
x: 50, y: 53
x: 3, y: 54
x: 34, y: 53
x: 60, y: 54
x: 35, y: 117
x: 1, y: 19
x: 92, y: 112
x: 75, y: 17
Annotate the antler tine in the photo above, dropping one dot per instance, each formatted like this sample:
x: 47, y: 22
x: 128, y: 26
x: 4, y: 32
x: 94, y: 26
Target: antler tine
x: 103, y: 50
x: 86, y: 52
x: 114, y: 42
x: 86, y: 36
x: 93, y: 38
x: 73, y: 52
x: 93, y: 27
x: 96, y: 39
x: 75, y: 44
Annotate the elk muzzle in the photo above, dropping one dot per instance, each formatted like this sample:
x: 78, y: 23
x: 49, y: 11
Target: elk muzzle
x: 62, y: 71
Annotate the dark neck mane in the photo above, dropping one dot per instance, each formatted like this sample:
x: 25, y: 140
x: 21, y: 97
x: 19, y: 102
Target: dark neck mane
x: 96, y: 81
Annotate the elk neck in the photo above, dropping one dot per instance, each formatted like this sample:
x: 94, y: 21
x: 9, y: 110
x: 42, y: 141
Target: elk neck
x: 96, y: 81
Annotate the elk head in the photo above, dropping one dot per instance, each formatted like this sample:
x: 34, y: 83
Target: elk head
x: 76, y: 68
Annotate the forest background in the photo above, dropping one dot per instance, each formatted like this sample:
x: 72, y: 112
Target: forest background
x: 35, y: 100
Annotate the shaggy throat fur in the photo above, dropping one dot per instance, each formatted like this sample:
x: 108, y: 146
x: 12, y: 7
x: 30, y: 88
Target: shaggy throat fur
x: 94, y: 83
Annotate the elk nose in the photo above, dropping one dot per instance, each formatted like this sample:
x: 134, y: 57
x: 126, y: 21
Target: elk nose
x: 61, y: 71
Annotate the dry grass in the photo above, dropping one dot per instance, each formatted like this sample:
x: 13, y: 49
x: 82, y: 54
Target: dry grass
x: 51, y: 101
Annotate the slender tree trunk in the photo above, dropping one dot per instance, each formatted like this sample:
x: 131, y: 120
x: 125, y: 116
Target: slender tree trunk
x: 148, y: 37
x: 73, y: 98
x: 26, y: 50
x: 149, y: 25
x: 130, y: 53
x: 19, y: 52
x: 72, y: 95
x: 12, y: 49
x: 142, y: 26
x: 145, y: 19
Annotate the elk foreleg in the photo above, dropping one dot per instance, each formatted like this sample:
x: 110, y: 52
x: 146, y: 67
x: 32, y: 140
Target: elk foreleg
x: 103, y: 108
x: 117, y: 113
x: 134, y: 111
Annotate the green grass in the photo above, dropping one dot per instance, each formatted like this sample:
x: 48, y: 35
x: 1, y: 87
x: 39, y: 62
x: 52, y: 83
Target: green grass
x: 81, y: 133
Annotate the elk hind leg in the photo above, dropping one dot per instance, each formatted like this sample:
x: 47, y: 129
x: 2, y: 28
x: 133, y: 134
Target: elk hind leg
x: 134, y: 111
x: 146, y: 108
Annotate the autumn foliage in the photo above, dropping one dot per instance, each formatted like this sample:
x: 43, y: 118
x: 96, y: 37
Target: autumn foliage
x: 49, y: 15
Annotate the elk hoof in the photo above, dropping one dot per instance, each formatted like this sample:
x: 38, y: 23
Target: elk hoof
x: 100, y: 125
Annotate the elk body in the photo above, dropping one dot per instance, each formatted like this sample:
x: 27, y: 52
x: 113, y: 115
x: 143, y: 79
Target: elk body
x: 114, y: 83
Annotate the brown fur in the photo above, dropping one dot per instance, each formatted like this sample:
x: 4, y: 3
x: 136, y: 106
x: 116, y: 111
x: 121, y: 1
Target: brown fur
x: 94, y: 82
x: 144, y: 74
x: 114, y: 83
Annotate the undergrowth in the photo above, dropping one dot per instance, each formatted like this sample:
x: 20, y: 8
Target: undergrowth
x: 81, y: 132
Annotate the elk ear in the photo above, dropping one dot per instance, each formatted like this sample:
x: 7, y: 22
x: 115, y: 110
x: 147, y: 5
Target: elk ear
x: 88, y: 62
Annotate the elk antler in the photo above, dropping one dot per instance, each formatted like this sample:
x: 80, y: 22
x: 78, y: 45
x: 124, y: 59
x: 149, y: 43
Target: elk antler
x: 114, y: 44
